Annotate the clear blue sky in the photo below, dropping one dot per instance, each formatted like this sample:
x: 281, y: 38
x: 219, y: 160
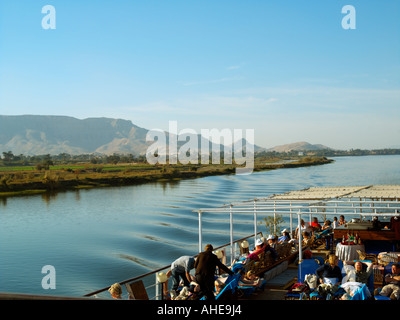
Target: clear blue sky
x: 286, y: 69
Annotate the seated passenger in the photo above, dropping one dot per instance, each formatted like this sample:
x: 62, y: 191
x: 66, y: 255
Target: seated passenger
x: 306, y: 241
x: 115, y: 291
x: 260, y: 248
x: 392, y: 288
x: 220, y: 283
x: 285, y: 236
x: 304, y: 227
x: 335, y: 223
x: 271, y: 241
x: 326, y: 225
x: 362, y: 274
x: 329, y: 276
x: 341, y: 221
x: 315, y: 225
x: 249, y: 279
x: 356, y: 277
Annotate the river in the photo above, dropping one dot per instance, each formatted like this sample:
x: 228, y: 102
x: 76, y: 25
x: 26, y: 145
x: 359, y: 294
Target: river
x: 94, y: 238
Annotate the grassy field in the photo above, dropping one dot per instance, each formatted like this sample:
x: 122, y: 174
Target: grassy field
x: 23, y: 180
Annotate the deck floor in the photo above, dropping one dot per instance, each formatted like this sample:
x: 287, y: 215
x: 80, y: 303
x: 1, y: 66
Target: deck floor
x: 277, y: 287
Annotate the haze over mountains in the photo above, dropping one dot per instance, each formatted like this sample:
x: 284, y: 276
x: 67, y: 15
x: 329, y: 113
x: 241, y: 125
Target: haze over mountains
x: 298, y: 146
x: 33, y: 135
x: 36, y: 135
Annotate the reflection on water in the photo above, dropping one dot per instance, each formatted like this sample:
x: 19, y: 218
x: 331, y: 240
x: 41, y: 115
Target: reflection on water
x: 94, y: 237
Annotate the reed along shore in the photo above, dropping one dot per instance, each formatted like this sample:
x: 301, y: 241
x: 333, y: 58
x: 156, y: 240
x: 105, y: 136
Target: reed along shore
x: 27, y: 180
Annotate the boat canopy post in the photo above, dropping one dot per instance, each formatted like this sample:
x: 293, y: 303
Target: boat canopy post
x: 231, y: 228
x: 274, y: 217
x: 291, y: 220
x: 255, y: 223
x: 200, y: 232
x: 300, y: 244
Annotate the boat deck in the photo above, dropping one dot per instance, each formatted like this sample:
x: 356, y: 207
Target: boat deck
x: 277, y: 287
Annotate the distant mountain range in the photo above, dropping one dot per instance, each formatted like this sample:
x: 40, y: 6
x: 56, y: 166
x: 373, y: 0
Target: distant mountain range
x: 34, y: 135
x: 37, y: 135
x: 299, y: 146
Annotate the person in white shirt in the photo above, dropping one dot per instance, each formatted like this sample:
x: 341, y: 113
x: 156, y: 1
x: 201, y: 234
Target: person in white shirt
x: 335, y: 223
x: 304, y: 227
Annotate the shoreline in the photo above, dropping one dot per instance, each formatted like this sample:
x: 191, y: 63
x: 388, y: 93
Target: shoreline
x: 52, y: 181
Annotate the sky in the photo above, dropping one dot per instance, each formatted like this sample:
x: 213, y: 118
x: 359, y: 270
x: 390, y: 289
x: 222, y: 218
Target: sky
x: 287, y: 69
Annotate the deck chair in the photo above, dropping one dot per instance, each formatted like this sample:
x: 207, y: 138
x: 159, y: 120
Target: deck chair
x: 136, y: 290
x: 307, y: 266
x: 379, y: 297
x: 315, y: 295
x: 367, y: 256
x: 360, y: 294
x: 317, y: 238
x: 248, y: 290
x: 230, y: 287
x: 319, y: 235
x: 320, y: 260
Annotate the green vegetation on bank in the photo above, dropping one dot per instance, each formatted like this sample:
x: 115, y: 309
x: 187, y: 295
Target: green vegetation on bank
x: 332, y: 153
x: 20, y: 175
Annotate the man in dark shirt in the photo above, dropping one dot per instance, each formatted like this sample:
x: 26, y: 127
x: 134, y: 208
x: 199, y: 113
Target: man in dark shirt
x: 205, y: 266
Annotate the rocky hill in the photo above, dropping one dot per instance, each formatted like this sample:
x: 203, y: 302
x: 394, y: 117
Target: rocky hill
x: 298, y: 146
x: 33, y: 135
x: 38, y: 135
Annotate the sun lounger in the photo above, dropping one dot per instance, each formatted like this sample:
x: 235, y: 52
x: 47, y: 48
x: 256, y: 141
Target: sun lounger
x: 231, y: 286
x: 307, y: 266
x: 361, y: 294
x: 248, y: 290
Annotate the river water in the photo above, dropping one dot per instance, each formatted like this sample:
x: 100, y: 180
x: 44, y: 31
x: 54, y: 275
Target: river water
x: 94, y: 238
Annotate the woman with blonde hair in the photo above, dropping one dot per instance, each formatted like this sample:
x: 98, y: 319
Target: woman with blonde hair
x: 115, y: 291
x: 330, y: 271
x: 329, y: 276
x: 249, y: 279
